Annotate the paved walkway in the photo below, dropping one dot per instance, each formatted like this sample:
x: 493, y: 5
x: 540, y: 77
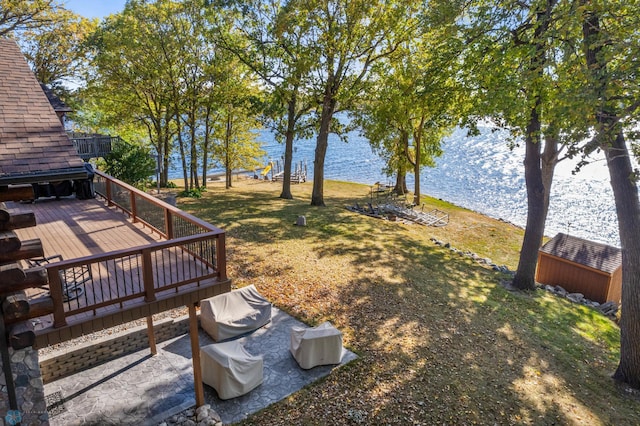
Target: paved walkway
x: 142, y: 389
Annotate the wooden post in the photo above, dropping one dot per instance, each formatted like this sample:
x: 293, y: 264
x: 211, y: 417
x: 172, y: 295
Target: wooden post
x: 195, y: 355
x: 107, y: 185
x: 168, y: 224
x: 5, y: 216
x: 34, y: 277
x: 21, y: 335
x: 147, y: 276
x: 134, y: 209
x: 221, y: 258
x: 55, y: 288
x: 15, y: 306
x: 6, y: 366
x: 152, y: 336
x: 37, y: 307
x: 11, y: 274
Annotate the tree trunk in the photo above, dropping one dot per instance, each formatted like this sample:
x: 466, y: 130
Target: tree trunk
x: 417, y: 141
x: 625, y: 192
x: 328, y: 106
x: 537, y: 202
x: 158, y: 134
x: 550, y: 160
x: 205, y: 147
x: 165, y: 163
x: 288, y: 149
x: 416, y: 174
x: 401, y: 182
x: 227, y: 165
x: 183, y: 157
x: 193, y: 153
x: 525, y: 274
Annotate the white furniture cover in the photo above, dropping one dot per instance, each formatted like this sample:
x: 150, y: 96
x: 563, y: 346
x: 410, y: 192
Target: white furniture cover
x: 316, y: 346
x: 232, y: 314
x: 229, y: 369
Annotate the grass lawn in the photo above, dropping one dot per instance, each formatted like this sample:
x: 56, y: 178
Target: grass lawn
x: 439, y: 339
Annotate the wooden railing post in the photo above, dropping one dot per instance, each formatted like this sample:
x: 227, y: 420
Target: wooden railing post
x: 134, y: 210
x: 108, y: 191
x: 55, y: 288
x: 221, y: 257
x: 147, y: 276
x: 168, y: 224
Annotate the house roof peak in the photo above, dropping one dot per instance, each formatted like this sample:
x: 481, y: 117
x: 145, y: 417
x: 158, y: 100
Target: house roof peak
x: 34, y: 146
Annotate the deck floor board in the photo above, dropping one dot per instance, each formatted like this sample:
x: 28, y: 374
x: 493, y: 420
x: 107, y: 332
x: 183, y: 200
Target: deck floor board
x: 76, y: 228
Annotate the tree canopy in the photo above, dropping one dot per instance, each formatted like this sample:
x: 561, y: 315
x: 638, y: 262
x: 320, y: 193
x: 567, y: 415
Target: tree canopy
x: 20, y: 15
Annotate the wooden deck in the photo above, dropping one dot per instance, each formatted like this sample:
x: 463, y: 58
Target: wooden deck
x: 76, y: 228
x: 126, y: 270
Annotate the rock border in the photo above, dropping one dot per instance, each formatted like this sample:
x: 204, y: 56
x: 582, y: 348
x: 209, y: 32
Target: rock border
x: 473, y: 256
x: 608, y: 309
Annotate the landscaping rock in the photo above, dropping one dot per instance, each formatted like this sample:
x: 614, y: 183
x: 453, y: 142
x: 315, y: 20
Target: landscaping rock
x: 561, y: 291
x: 609, y: 309
x: 472, y: 255
x: 575, y: 297
x: 202, y: 416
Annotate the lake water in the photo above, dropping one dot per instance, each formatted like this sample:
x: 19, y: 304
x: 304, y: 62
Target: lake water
x: 480, y: 173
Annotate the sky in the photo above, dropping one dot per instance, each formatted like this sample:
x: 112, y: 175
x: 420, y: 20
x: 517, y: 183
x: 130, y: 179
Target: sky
x: 94, y: 8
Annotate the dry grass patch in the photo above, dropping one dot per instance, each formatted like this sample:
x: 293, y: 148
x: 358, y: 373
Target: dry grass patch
x: 439, y: 340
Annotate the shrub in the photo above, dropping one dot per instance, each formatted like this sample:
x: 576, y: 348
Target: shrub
x: 130, y: 163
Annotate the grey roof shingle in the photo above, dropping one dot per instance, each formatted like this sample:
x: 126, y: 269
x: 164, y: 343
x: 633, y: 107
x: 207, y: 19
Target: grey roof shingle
x: 584, y: 252
x: 57, y: 103
x: 33, y: 143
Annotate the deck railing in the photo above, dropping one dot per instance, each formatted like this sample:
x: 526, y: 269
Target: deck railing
x: 192, y: 255
x: 93, y: 146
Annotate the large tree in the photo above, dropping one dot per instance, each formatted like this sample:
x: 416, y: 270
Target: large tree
x: 269, y: 39
x: 350, y: 36
x: 540, y: 18
x: 611, y: 48
x: 130, y: 80
x: 57, y: 50
x: 405, y: 115
x: 190, y: 61
x: 413, y: 100
x: 516, y: 73
x: 237, y: 97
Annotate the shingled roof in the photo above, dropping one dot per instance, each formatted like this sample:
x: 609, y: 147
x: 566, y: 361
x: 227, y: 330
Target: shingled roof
x: 33, y: 144
x: 584, y: 252
x: 57, y: 103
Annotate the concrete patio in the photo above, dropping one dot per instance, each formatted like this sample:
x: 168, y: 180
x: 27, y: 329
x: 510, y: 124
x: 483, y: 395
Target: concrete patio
x: 142, y: 389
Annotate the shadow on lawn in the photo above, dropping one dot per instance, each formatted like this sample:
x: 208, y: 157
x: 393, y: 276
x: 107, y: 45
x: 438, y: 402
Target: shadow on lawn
x: 439, y: 339
x: 464, y: 350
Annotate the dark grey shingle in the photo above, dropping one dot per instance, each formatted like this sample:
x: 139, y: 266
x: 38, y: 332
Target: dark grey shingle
x: 584, y: 252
